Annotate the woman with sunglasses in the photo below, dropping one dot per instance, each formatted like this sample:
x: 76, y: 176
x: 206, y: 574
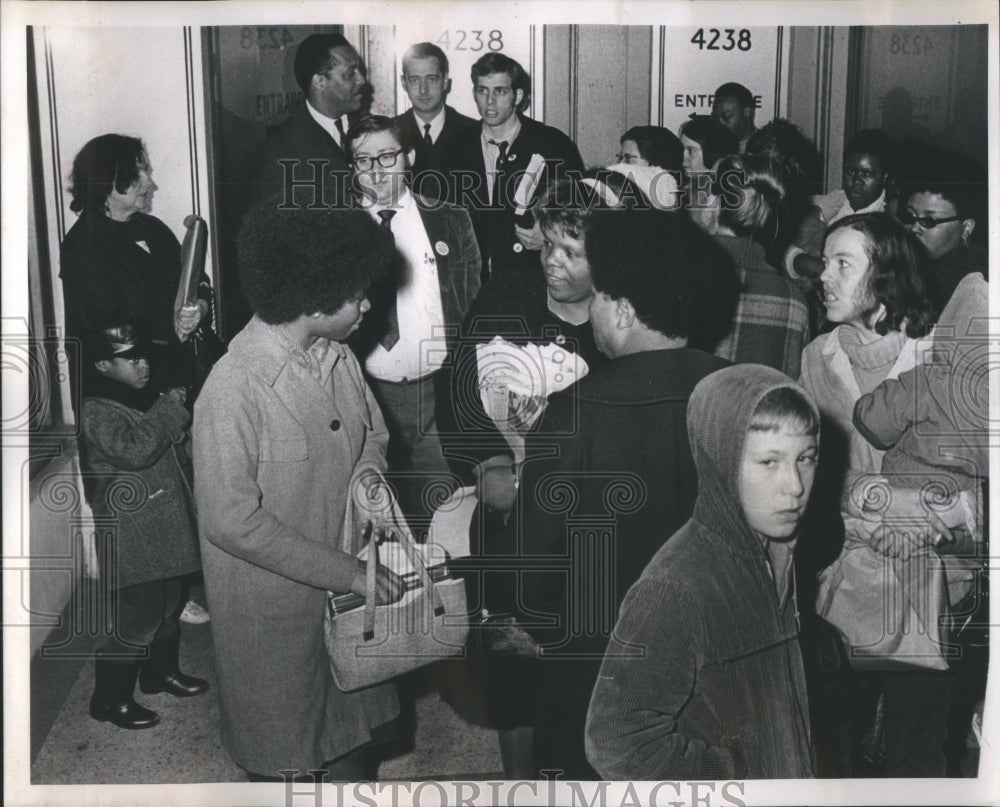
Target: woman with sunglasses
x: 941, y: 209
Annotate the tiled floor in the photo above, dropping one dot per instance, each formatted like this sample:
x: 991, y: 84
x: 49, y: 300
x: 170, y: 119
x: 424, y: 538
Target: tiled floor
x: 444, y: 736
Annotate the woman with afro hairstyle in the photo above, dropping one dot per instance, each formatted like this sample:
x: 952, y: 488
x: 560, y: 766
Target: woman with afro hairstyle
x: 288, y: 436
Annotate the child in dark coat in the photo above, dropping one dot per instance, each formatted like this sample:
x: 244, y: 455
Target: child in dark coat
x: 136, y: 442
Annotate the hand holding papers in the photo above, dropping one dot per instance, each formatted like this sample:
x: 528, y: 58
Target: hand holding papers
x: 516, y: 380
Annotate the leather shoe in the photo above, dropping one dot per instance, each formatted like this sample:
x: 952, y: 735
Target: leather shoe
x: 178, y: 684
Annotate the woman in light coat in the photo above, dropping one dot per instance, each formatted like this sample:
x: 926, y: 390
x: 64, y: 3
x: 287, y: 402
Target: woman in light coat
x: 288, y: 436
x: 875, y: 291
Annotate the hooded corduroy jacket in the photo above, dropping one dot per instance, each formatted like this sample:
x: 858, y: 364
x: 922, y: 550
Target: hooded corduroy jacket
x: 703, y: 678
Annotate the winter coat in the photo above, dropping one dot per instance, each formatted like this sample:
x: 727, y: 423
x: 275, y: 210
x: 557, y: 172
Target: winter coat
x: 703, y: 678
x: 140, y: 469
x: 275, y: 453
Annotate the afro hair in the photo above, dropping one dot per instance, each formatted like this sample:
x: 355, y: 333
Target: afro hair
x: 299, y: 260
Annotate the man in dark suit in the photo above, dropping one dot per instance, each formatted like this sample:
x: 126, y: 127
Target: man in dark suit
x: 304, y: 155
x: 406, y: 337
x: 486, y: 164
x: 430, y: 125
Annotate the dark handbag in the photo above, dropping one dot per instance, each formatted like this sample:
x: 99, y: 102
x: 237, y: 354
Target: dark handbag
x: 206, y: 349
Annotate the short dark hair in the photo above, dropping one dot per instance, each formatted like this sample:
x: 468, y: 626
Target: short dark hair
x: 741, y: 94
x: 299, y: 260
x: 313, y: 56
x: 569, y: 204
x: 954, y: 177
x: 426, y: 50
x: 491, y: 63
x: 896, y: 277
x: 657, y: 145
x: 108, y: 162
x: 370, y: 124
x: 752, y: 197
x: 665, y: 265
x: 785, y: 408
x: 871, y: 141
x: 716, y: 140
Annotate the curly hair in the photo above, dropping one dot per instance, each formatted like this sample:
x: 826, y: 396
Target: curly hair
x: 716, y: 140
x: 491, y: 63
x: 657, y: 145
x: 896, y: 275
x: 666, y: 266
x: 108, y: 162
x: 752, y: 197
x: 303, y: 261
x: 570, y: 203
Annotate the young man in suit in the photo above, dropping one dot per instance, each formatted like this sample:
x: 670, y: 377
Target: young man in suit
x: 430, y: 125
x: 416, y: 314
x: 486, y: 162
x: 329, y: 71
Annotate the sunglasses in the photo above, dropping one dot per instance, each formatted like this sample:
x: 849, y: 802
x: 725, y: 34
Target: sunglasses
x: 926, y: 222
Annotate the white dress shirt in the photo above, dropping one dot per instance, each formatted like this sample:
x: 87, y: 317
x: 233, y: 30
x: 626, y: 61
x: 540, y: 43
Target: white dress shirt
x: 329, y: 124
x: 421, y: 347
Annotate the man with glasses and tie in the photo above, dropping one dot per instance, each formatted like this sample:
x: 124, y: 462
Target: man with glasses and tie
x: 304, y: 156
x: 430, y: 125
x: 487, y: 163
x: 416, y: 312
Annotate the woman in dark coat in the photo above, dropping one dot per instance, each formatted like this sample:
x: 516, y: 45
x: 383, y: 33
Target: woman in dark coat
x: 118, y: 259
x: 287, y: 436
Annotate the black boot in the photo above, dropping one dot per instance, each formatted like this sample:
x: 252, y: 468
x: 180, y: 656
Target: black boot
x: 161, y: 672
x: 114, y: 683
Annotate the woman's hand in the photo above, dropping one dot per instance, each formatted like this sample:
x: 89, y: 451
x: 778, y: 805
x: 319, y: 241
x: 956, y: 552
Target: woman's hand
x: 187, y: 319
x: 496, y: 483
x: 388, y: 584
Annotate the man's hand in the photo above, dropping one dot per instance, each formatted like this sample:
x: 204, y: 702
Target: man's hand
x: 531, y: 239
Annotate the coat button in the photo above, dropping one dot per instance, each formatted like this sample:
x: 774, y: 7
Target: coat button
x: 334, y: 425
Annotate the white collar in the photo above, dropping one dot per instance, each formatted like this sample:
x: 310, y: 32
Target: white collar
x: 328, y: 124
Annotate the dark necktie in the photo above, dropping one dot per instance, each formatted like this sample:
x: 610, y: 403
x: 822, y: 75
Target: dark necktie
x: 340, y: 131
x: 501, y: 162
x: 391, y: 333
x: 427, y: 135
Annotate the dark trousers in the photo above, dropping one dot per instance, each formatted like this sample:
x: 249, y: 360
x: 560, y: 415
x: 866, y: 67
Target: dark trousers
x: 916, y: 722
x: 144, y: 612
x: 417, y: 467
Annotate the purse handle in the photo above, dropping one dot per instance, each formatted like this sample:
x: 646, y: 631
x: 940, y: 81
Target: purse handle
x: 401, y: 530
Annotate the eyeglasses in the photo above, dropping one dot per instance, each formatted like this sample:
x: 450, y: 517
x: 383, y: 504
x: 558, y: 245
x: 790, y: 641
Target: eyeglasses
x: 628, y: 159
x: 387, y: 160
x: 926, y: 222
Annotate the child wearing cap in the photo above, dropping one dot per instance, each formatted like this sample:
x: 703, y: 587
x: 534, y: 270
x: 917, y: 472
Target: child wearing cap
x: 136, y: 440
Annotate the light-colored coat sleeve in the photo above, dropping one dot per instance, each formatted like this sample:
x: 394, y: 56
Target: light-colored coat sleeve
x: 227, y: 448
